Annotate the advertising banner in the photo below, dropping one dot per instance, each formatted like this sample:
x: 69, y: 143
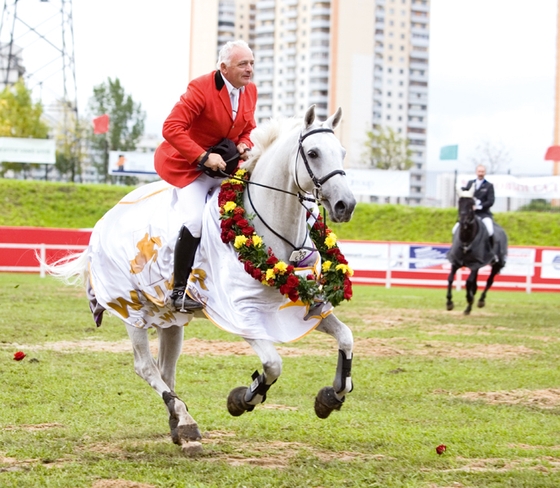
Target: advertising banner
x: 27, y: 150
x: 551, y: 264
x: 131, y: 163
x: 377, y: 182
x: 545, y: 187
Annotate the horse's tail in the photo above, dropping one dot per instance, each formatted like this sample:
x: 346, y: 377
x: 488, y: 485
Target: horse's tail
x: 71, y: 270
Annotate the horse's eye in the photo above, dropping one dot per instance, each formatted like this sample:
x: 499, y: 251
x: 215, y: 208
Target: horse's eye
x: 312, y: 154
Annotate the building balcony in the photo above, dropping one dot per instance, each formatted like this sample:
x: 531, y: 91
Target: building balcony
x: 265, y: 29
x: 260, y: 76
x: 264, y: 4
x: 413, y: 89
x: 419, y: 55
x: 417, y: 125
x: 420, y: 19
x: 380, y: 37
x: 320, y: 23
x: 290, y: 3
x: 265, y: 90
x: 320, y: 11
x: 419, y: 78
x: 291, y: 26
x: 264, y: 40
x: 417, y: 41
x: 418, y: 7
x: 417, y: 136
x: 379, y: 49
x: 415, y: 112
x: 263, y: 16
x: 291, y: 14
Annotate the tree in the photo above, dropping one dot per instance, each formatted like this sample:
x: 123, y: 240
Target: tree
x: 69, y: 135
x: 20, y: 117
x: 386, y: 149
x: 126, y: 122
x: 493, y: 156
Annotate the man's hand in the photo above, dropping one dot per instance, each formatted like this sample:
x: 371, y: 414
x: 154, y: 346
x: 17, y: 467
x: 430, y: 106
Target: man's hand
x: 243, y: 151
x: 215, y: 162
x: 477, y: 204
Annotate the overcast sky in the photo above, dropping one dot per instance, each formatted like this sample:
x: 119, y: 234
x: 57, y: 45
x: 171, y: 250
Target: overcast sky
x: 492, y: 69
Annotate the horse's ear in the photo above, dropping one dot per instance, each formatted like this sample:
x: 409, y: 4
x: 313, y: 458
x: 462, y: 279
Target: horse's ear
x: 333, y: 121
x: 309, y: 117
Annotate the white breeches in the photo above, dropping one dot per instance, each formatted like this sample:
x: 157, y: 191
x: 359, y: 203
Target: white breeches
x: 191, y: 200
x: 487, y: 221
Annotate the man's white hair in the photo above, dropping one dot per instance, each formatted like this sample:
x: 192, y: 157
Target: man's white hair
x: 225, y: 53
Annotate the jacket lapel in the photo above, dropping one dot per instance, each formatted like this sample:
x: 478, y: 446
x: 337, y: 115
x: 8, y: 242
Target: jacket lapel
x: 223, y: 93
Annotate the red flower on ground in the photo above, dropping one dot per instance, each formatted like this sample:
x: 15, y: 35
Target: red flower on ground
x: 18, y: 356
x: 441, y: 449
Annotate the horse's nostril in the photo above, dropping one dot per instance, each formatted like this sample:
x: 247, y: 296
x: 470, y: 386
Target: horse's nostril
x: 340, y: 207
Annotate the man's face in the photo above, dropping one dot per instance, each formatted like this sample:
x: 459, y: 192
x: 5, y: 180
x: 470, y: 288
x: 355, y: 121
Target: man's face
x: 240, y: 69
x: 480, y: 172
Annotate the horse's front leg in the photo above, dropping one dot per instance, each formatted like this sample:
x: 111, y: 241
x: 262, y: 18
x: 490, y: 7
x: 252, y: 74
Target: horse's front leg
x: 182, y: 425
x: 450, y: 279
x: 244, y: 399
x: 331, y: 398
x: 471, y: 290
x: 496, y: 267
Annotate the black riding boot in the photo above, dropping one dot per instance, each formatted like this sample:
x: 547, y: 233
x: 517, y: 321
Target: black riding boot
x: 494, y: 256
x: 185, y: 250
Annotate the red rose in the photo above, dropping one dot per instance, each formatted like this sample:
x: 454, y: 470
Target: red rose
x: 247, y: 231
x: 441, y: 449
x: 290, y: 268
x: 18, y: 356
x: 236, y: 218
x: 272, y: 260
x: 257, y: 274
x: 248, y: 267
x: 347, y: 289
x: 242, y: 222
x: 238, y: 211
x: 311, y: 277
x: 293, y: 295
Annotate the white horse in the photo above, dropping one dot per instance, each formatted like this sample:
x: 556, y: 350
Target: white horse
x: 127, y: 268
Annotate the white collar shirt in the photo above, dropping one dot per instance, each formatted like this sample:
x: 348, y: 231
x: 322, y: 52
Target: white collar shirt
x: 233, y: 96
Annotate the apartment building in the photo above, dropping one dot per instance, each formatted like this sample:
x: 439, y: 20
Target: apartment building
x: 370, y: 57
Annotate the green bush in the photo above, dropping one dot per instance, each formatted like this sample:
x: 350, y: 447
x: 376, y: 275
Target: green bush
x: 67, y: 205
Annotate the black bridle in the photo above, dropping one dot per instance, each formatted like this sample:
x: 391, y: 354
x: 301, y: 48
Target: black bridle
x: 467, y: 223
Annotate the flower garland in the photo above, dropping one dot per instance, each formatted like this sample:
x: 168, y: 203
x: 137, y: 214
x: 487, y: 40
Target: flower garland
x: 333, y: 285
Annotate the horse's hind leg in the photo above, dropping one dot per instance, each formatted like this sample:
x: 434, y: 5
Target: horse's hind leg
x: 495, y: 270
x: 331, y: 398
x: 183, y: 427
x: 243, y: 399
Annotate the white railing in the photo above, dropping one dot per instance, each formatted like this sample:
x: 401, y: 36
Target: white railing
x: 41, y: 249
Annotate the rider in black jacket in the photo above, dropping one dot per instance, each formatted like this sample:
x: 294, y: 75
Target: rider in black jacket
x: 484, y: 199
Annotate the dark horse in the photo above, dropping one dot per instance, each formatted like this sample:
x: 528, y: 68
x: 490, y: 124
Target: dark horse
x: 471, y: 249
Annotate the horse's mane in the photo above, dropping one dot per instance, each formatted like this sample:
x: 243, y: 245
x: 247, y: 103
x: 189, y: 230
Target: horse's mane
x: 265, y: 135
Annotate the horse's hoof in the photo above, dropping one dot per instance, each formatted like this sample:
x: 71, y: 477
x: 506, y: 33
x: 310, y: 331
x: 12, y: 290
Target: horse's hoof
x: 481, y: 303
x: 467, y: 311
x: 192, y: 449
x: 236, y: 403
x: 326, y: 402
x: 449, y: 305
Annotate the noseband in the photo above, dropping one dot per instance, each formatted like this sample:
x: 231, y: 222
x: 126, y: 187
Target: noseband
x: 316, y: 182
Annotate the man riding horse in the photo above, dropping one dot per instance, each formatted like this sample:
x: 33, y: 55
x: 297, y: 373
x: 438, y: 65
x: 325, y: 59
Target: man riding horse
x: 483, y: 200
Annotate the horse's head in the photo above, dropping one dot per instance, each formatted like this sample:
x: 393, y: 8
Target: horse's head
x: 466, y: 207
x: 321, y: 173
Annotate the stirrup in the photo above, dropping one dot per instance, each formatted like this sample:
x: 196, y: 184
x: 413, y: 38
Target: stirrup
x: 183, y: 303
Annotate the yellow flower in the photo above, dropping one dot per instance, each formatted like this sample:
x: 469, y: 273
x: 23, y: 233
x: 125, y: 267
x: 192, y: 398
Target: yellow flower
x: 240, y: 173
x: 330, y: 240
x: 347, y: 270
x: 270, y: 274
x: 280, y: 267
x: 229, y: 206
x: 257, y: 240
x: 239, y: 241
x: 326, y: 266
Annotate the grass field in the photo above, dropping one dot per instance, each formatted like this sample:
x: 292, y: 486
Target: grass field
x: 74, y: 414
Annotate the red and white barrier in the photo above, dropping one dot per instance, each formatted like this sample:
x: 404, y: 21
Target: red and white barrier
x: 529, y: 268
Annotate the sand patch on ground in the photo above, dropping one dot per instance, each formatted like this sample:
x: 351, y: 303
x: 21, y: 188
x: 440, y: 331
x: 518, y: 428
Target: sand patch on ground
x: 546, y: 399
x: 363, y: 347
